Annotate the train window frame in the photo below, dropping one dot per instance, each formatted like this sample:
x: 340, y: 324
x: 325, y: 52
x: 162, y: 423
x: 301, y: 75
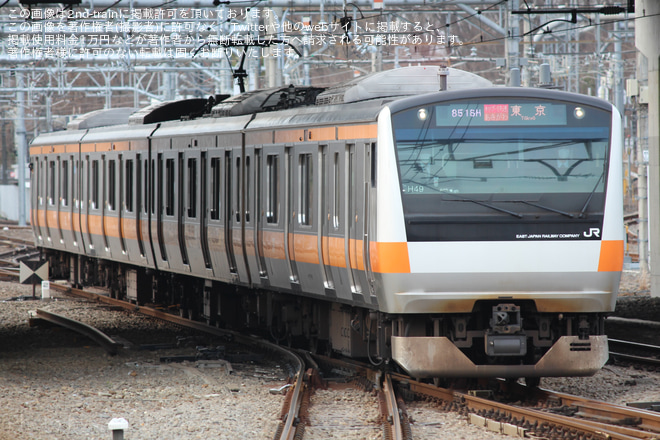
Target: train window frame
x: 64, y: 183
x: 40, y: 180
x: 94, y: 199
x: 305, y: 188
x: 129, y: 185
x: 336, y: 200
x: 74, y: 181
x: 150, y: 187
x: 169, y: 187
x: 247, y: 189
x: 51, y: 183
x: 192, y: 187
x: 112, y: 182
x: 272, y: 188
x: 216, y: 186
x: 237, y: 201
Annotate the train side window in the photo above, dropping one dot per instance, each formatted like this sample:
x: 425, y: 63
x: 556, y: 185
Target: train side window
x: 192, y: 187
x: 305, y: 195
x: 151, y: 188
x: 337, y: 196
x: 238, y: 189
x: 74, y: 180
x: 372, y: 152
x: 273, y: 188
x: 128, y: 196
x: 40, y: 179
x: 51, y: 181
x: 215, y: 188
x: 169, y: 187
x: 247, y: 189
x: 95, y: 184
x: 64, y: 181
x: 112, y: 181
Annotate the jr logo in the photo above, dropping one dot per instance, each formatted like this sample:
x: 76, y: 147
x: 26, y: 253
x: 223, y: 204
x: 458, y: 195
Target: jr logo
x: 593, y: 232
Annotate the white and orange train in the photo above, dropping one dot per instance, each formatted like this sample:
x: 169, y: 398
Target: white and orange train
x: 470, y: 232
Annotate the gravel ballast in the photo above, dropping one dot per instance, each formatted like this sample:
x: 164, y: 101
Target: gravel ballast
x: 57, y: 385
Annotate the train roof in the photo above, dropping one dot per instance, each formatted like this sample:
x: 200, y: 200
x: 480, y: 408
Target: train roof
x: 512, y: 92
x: 390, y: 84
x: 101, y: 118
x: 405, y: 81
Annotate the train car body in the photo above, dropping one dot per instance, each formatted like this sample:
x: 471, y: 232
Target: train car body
x: 473, y: 232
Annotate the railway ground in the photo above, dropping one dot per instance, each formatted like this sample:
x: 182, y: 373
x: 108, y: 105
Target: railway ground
x: 58, y: 386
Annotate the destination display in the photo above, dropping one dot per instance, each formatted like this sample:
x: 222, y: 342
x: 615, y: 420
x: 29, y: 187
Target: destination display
x: 513, y: 113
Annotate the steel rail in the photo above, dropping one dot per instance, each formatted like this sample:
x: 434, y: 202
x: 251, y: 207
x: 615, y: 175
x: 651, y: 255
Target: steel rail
x: 639, y: 359
x: 394, y: 426
x: 532, y: 416
x: 287, y: 429
x: 395, y: 429
x: 641, y: 418
x: 9, y: 272
x: 105, y: 341
x: 631, y: 345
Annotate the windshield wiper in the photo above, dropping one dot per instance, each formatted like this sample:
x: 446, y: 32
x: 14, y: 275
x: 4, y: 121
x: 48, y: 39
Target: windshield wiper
x: 487, y: 205
x: 547, y: 208
x: 591, y: 194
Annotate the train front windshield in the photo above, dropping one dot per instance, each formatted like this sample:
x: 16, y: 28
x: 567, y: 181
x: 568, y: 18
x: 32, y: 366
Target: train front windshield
x: 523, y: 166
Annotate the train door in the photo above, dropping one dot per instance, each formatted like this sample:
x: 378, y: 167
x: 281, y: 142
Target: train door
x: 180, y: 210
x: 43, y: 198
x: 305, y: 223
x: 167, y: 210
x: 204, y: 211
x: 138, y: 201
x: 150, y: 203
x: 259, y: 215
x: 339, y: 276
x: 35, y: 194
x: 51, y: 203
x: 147, y: 207
x: 357, y: 203
x: 251, y: 220
x: 76, y: 186
x: 66, y: 201
x: 120, y: 192
x: 217, y: 214
x: 232, y: 210
x: 275, y: 218
x: 325, y: 198
x: 192, y: 236
x: 290, y: 208
x: 129, y: 209
x: 111, y: 214
x: 86, y: 194
x: 58, y: 239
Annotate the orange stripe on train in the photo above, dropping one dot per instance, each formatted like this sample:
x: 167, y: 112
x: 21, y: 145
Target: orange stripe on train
x: 611, y: 256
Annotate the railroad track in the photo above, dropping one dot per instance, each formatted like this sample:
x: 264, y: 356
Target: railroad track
x: 287, y: 428
x: 556, y: 415
x: 635, y: 352
x: 105, y: 341
x: 305, y: 378
x: 14, y: 248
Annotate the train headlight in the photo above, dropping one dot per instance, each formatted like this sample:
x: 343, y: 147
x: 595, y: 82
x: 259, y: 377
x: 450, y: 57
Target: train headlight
x: 579, y: 113
x: 422, y: 114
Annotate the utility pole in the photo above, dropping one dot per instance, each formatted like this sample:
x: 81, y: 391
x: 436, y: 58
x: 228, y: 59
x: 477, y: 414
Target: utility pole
x: 647, y: 41
x: 21, y: 145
